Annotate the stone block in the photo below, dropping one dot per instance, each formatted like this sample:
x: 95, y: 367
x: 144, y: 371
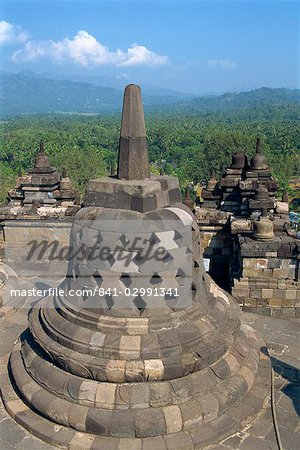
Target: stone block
x: 288, y: 312
x: 149, y: 346
x: 173, y: 418
x: 150, y: 422
x: 282, y: 207
x: 292, y: 273
x: 137, y: 326
x: 209, y: 407
x: 175, y: 196
x: 287, y: 303
x: 139, y: 394
x: 115, y: 371
x: 154, y: 369
x: 87, y: 391
x: 160, y: 394
x: 291, y: 294
x: 105, y: 395
x: 98, y: 421
x: 162, y: 199
x: 178, y: 442
x: 275, y: 302
x: 274, y: 263
x: 143, y: 204
x: 134, y: 371
x: 106, y: 200
x: 77, y: 417
x: 250, y: 302
x: 191, y: 413
x: 130, y: 444
x: 279, y: 293
x: 256, y: 293
x: 267, y: 293
x: 157, y: 442
x: 261, y: 284
x: 81, y: 441
x: 130, y: 347
x: 123, y: 424
x: 271, y: 254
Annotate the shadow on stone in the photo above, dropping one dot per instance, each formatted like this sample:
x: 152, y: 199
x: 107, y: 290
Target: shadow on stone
x: 292, y: 375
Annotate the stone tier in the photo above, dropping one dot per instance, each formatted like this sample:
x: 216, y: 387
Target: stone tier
x: 191, y: 412
x: 137, y: 195
x: 169, y: 373
x: 141, y: 349
x: 281, y: 246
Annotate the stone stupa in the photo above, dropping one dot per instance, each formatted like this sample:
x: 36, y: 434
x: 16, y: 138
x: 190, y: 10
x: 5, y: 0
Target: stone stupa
x: 42, y: 186
x: 136, y: 371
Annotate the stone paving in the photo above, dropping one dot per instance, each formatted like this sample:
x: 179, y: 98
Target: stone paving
x: 282, y: 337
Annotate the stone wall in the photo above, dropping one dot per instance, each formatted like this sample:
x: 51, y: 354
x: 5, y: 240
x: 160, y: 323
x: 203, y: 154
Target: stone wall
x: 268, y: 284
x: 50, y: 238
x: 216, y: 243
x: 262, y: 276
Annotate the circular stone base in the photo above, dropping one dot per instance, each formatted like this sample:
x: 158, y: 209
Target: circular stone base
x: 203, y: 434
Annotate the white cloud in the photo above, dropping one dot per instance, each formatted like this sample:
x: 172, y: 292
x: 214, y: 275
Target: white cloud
x: 222, y: 64
x: 10, y: 33
x: 138, y: 54
x: 85, y: 50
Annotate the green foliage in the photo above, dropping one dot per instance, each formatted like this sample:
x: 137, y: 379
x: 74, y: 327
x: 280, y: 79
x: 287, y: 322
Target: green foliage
x: 7, y: 181
x: 191, y: 147
x: 81, y: 166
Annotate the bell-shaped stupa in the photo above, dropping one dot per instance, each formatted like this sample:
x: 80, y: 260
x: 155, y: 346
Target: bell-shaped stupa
x: 139, y: 349
x: 259, y: 161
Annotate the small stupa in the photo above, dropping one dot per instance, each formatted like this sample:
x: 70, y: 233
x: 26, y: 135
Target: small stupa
x: 42, y: 186
x: 259, y: 161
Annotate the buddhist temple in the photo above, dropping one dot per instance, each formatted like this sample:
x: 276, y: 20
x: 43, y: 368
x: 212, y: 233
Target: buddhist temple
x: 246, y: 238
x: 131, y: 368
x: 43, y: 186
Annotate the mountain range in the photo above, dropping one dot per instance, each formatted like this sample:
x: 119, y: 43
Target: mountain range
x: 29, y: 93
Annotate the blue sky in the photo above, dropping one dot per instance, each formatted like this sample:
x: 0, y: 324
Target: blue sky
x: 199, y: 46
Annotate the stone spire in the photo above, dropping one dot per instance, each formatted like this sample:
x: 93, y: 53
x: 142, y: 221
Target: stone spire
x: 133, y: 150
x: 42, y: 161
x: 258, y: 145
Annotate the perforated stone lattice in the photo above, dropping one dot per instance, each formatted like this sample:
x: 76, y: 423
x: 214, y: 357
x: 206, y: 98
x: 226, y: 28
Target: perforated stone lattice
x: 143, y: 268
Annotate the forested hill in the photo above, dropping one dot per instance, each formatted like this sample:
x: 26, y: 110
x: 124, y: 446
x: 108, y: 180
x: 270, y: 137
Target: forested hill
x: 25, y: 93
x: 28, y: 94
x: 263, y: 97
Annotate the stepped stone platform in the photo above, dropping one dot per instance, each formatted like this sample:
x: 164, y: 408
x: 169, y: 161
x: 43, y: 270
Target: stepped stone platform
x: 136, y: 370
x: 281, y: 337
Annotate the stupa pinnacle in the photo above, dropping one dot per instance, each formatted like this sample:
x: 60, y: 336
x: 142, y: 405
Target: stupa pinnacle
x: 133, y: 150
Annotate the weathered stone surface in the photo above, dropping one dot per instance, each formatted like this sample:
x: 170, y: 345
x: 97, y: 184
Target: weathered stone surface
x: 150, y: 422
x: 133, y: 152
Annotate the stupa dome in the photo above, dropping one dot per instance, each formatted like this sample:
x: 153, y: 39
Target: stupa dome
x: 258, y: 161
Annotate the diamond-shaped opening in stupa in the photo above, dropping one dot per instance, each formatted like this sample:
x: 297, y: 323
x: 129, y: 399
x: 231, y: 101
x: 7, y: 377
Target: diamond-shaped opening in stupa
x: 139, y: 303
